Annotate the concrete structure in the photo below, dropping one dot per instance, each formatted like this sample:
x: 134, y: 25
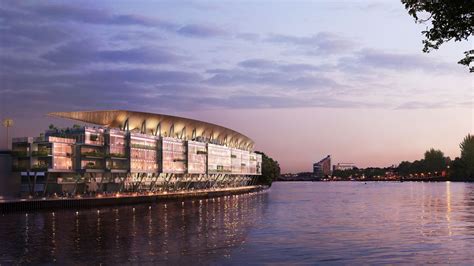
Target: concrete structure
x: 9, y: 186
x: 134, y: 151
x: 323, y: 167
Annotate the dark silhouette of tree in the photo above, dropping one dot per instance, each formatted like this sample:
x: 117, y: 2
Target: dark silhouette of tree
x: 270, y: 170
x: 457, y: 170
x: 449, y: 19
x: 467, y: 155
x: 434, y: 161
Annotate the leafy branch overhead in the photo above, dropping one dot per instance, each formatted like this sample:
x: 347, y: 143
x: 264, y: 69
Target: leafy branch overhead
x: 448, y: 19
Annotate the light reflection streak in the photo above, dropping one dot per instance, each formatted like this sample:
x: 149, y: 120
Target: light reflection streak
x: 157, y: 233
x: 448, y: 207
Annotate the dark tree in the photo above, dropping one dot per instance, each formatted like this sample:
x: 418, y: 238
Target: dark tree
x: 448, y: 20
x: 458, y: 170
x: 467, y: 155
x: 434, y: 161
x: 270, y: 170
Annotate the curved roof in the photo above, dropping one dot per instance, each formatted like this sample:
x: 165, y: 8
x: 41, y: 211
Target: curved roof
x: 159, y: 124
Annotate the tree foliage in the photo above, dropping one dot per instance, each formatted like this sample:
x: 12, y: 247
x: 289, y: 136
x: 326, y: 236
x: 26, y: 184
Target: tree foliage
x: 449, y: 19
x: 368, y: 173
x: 467, y: 155
x: 434, y: 161
x: 270, y: 170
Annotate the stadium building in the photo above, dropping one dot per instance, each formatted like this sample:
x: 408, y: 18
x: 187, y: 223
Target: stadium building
x: 134, y: 152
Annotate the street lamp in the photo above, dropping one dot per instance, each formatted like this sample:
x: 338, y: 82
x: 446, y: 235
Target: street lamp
x: 7, y: 123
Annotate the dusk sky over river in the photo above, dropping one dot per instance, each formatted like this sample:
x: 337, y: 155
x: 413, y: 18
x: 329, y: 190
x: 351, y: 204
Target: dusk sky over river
x: 237, y: 132
x: 303, y: 79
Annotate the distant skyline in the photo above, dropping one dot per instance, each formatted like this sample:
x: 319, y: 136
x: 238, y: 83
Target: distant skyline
x: 304, y: 79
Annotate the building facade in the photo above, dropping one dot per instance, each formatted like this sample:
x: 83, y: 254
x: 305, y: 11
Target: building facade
x: 344, y: 166
x: 133, y: 151
x: 323, y: 167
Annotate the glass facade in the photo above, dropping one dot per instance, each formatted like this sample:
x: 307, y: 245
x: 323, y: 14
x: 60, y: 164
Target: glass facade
x: 253, y: 164
x: 197, y: 157
x: 62, y: 152
x: 41, y: 156
x: 236, y: 158
x: 259, y: 164
x: 117, y: 141
x: 245, y: 162
x: 143, y: 153
x: 219, y: 159
x: 94, y: 136
x: 117, y: 156
x: 21, y: 153
x: 173, y: 155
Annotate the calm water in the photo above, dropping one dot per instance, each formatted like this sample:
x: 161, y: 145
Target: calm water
x: 306, y: 222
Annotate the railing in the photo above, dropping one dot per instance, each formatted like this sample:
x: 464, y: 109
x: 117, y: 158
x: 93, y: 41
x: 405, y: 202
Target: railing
x: 92, y: 166
x: 20, y: 153
x: 117, y: 168
x: 22, y: 139
x: 41, y: 153
x: 40, y: 167
x: 93, y: 154
x: 142, y: 146
x: 19, y: 168
x: 117, y: 155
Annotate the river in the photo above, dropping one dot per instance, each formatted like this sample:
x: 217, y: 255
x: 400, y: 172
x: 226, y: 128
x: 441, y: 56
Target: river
x: 293, y: 222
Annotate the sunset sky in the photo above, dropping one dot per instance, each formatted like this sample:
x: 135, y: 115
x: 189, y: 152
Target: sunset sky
x: 304, y: 79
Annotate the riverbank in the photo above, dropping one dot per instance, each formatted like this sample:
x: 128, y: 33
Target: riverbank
x: 399, y: 179
x: 119, y: 199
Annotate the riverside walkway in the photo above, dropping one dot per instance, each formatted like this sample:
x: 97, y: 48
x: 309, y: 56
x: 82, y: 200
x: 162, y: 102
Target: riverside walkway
x: 13, y: 205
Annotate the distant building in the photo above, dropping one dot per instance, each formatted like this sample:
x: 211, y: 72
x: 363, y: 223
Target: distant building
x: 323, y: 167
x: 344, y: 166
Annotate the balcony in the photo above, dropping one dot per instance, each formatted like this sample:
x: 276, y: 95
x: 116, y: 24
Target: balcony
x: 117, y: 155
x: 41, y: 153
x: 19, y: 168
x: 40, y: 167
x: 118, y: 169
x: 95, y: 154
x: 93, y: 166
x: 142, y: 146
x: 19, y: 153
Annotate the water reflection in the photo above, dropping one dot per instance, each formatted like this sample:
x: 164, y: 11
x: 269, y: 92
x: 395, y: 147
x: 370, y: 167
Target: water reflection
x: 197, y: 231
x: 373, y: 223
x: 306, y: 223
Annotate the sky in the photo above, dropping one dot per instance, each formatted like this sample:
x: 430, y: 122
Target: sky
x: 303, y: 79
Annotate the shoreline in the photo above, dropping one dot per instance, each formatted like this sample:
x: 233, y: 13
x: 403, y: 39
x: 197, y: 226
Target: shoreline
x: 16, y: 205
x: 381, y: 180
